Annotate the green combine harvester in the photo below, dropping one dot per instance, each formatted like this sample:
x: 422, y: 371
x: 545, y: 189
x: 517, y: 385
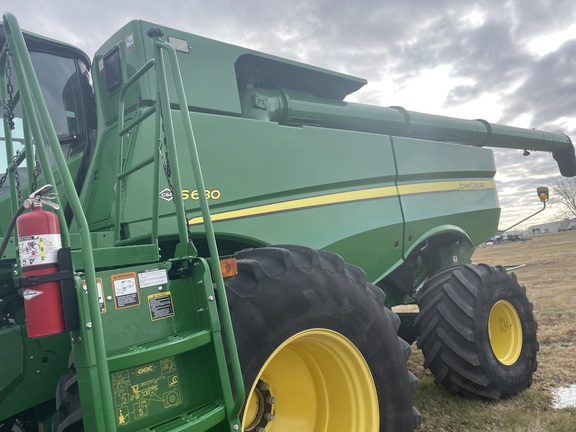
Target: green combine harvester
x: 201, y: 237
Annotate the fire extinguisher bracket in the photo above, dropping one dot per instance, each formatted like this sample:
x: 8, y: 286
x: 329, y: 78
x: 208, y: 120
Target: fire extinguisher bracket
x: 28, y: 281
x: 65, y: 276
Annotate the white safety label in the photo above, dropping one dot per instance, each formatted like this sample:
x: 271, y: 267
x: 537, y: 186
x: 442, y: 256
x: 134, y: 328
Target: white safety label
x: 100, y: 293
x: 39, y: 249
x: 152, y: 277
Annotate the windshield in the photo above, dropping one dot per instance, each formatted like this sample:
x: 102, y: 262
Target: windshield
x: 60, y: 80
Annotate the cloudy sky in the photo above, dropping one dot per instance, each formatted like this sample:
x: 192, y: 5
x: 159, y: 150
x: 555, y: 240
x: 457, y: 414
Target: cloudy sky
x: 505, y: 61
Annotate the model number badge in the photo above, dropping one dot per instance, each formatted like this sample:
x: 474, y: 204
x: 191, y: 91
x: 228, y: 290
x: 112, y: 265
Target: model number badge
x: 192, y: 194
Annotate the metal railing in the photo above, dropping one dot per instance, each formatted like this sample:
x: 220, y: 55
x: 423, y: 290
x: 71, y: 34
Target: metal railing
x: 36, y: 118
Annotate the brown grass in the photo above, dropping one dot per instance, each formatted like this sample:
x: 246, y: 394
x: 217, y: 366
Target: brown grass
x: 550, y: 280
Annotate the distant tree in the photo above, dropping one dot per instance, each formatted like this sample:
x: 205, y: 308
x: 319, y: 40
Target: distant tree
x: 564, y: 189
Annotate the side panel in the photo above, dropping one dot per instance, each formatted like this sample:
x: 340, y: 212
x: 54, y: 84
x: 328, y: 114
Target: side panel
x: 443, y: 184
x: 274, y: 184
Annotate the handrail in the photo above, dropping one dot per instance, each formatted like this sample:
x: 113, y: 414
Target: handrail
x: 160, y: 45
x: 33, y: 101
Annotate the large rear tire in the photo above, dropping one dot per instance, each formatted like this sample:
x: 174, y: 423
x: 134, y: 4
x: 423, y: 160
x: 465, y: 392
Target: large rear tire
x: 68, y: 415
x: 477, y: 331
x: 317, y: 347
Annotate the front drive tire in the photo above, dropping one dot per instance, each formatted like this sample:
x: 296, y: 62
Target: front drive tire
x: 477, y: 331
x: 317, y: 347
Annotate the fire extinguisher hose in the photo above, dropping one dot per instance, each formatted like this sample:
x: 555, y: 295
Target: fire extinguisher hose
x: 8, y: 233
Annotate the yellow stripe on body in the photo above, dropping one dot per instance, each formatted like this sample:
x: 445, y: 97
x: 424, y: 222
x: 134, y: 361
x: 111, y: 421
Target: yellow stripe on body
x: 346, y: 197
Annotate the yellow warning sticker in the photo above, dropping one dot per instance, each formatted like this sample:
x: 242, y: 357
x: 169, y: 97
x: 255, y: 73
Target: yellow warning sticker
x: 160, y: 305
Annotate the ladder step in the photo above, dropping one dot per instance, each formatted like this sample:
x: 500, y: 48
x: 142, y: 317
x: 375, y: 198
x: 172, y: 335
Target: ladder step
x: 202, y: 419
x: 158, y: 349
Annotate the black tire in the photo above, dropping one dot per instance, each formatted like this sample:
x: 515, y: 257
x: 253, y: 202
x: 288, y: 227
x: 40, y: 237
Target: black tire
x: 457, y: 308
x: 283, y: 291
x: 68, y: 416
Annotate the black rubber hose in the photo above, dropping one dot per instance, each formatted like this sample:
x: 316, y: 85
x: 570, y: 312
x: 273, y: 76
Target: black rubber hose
x: 9, y: 230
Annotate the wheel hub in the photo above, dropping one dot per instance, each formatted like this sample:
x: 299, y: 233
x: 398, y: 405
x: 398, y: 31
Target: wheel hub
x: 505, y: 332
x: 315, y: 380
x: 260, y: 406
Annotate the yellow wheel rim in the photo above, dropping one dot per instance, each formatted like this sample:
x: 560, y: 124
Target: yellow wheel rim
x: 505, y: 332
x: 316, y: 381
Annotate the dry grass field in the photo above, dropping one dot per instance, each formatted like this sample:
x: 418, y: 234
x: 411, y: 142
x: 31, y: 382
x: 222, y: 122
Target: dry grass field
x: 550, y: 280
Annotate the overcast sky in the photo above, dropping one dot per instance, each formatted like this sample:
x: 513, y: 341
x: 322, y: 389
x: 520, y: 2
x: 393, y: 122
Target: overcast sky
x: 510, y: 62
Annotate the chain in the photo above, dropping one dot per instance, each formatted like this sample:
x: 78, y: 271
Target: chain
x: 36, y: 173
x: 3, y: 179
x: 138, y: 113
x: 163, y: 149
x: 138, y: 108
x: 9, y: 114
x: 17, y: 180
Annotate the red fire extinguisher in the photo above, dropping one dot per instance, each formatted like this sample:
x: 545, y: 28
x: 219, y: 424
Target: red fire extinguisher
x: 38, y: 244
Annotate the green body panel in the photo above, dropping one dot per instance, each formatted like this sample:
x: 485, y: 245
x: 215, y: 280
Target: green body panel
x: 290, y: 205
x: 31, y: 368
x: 443, y: 184
x: 349, y: 178
x: 285, y: 160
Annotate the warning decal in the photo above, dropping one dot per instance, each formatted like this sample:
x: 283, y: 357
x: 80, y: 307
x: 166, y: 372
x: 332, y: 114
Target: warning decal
x: 100, y: 293
x: 130, y: 45
x: 39, y: 249
x: 125, y: 290
x: 160, y: 305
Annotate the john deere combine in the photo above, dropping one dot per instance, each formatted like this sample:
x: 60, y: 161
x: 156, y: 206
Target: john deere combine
x: 211, y: 239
